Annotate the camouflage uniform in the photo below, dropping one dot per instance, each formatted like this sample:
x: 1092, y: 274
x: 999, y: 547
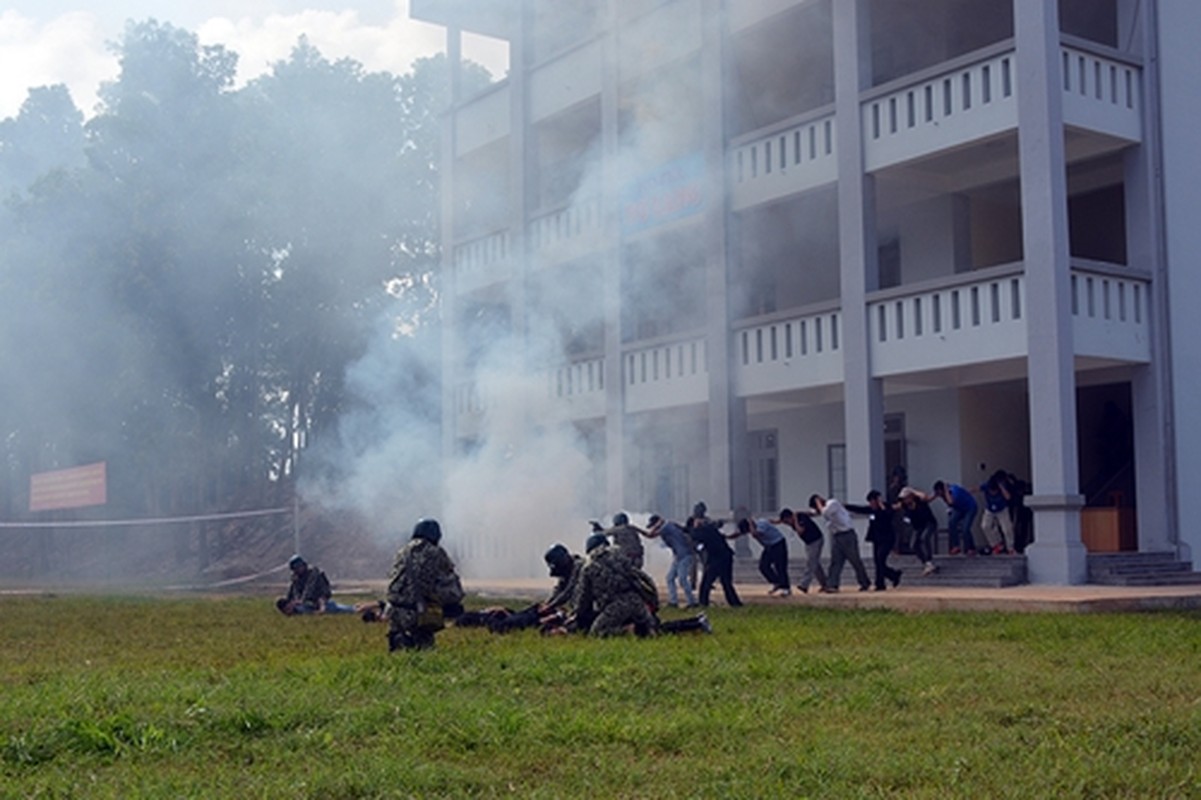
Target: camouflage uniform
x: 628, y: 542
x: 563, y: 595
x: 309, y: 589
x: 607, y: 587
x: 416, y: 572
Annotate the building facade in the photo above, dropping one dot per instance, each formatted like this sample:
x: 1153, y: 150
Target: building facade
x: 748, y: 250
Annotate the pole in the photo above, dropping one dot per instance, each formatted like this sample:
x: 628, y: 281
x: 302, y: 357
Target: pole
x: 296, y: 523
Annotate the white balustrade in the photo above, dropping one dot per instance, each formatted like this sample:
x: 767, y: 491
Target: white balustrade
x: 794, y: 157
x: 566, y: 232
x: 972, y: 318
x: 792, y: 352
x: 483, y: 260
x: 972, y: 99
x: 576, y: 390
x: 1102, y: 93
x: 1110, y: 314
x: 666, y: 375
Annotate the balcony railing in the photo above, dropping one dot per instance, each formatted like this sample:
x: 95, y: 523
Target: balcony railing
x: 968, y: 99
x: 664, y: 375
x: 1110, y: 313
x: 483, y: 260
x: 576, y: 390
x: 972, y: 318
x: 1102, y: 93
x: 796, y: 351
x: 784, y: 160
x: 566, y: 232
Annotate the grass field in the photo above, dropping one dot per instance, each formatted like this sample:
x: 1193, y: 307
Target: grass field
x: 149, y: 697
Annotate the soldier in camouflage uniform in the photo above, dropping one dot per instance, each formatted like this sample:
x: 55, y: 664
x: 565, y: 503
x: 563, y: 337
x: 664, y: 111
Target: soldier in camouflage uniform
x: 608, y: 590
x: 309, y: 592
x: 553, y: 612
x: 627, y: 539
x: 419, y: 579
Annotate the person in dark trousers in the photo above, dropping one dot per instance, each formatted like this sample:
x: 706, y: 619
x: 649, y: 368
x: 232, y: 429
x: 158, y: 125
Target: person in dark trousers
x: 773, y: 560
x: 917, y: 511
x: 961, y: 513
x: 844, y: 542
x: 881, y: 532
x: 718, y: 558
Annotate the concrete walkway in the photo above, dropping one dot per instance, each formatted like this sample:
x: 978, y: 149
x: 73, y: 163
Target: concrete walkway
x: 1026, y: 598
x: 1030, y: 598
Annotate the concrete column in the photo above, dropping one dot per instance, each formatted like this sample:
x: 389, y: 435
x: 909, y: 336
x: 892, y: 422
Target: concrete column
x: 521, y: 160
x: 450, y: 357
x: 728, y: 467
x: 1058, y: 556
x: 862, y: 394
x: 611, y: 264
x: 1154, y: 445
x: 1176, y: 28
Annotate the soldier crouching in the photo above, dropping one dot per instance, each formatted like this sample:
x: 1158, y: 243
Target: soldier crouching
x: 612, y: 588
x: 423, y: 590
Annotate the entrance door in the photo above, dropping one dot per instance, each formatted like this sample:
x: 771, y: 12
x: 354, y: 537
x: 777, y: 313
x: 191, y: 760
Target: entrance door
x: 765, y: 471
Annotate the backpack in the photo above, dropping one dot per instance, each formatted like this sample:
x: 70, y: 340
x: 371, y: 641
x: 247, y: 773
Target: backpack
x: 645, y: 586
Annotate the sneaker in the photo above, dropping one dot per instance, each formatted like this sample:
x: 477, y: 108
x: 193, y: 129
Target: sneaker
x: 705, y: 624
x: 829, y: 590
x: 955, y: 551
x: 865, y: 587
x: 784, y: 591
x: 804, y: 589
x: 896, y: 579
x: 773, y: 590
x: 930, y: 568
x: 998, y: 550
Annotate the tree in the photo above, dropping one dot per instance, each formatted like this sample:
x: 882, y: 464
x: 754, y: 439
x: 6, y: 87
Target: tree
x: 190, y: 296
x: 46, y: 135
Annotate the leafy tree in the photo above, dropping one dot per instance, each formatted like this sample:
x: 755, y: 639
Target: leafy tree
x: 192, y: 274
x: 46, y: 135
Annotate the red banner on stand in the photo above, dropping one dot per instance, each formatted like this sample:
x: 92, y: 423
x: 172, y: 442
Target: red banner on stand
x: 76, y: 487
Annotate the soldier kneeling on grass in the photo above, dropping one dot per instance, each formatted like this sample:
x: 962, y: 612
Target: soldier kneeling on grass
x: 553, y: 612
x: 423, y: 590
x: 621, y: 598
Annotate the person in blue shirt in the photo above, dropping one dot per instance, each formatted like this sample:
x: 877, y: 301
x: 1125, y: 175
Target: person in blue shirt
x: 997, y: 522
x: 773, y: 561
x: 680, y: 543
x: 961, y: 513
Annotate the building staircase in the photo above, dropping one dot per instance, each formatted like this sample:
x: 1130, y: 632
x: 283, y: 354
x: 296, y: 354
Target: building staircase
x: 1141, y: 569
x: 997, y: 571
x: 980, y: 571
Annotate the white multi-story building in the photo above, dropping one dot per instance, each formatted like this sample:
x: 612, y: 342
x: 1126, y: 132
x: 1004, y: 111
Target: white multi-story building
x: 754, y: 249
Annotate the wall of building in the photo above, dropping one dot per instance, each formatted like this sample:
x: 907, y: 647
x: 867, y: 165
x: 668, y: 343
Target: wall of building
x: 995, y: 432
x: 1179, y: 31
x: 932, y: 435
x: 932, y: 234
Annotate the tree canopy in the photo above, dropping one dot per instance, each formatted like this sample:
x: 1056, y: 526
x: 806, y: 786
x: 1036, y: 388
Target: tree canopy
x: 187, y: 277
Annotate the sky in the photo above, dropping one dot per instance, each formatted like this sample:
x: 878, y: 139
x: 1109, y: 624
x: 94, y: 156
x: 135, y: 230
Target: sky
x: 45, y: 42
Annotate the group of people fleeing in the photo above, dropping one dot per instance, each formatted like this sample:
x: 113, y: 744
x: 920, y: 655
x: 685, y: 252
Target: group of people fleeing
x: 605, y: 591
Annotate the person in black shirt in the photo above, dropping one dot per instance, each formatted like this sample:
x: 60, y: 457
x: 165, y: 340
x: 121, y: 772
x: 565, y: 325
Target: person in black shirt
x: 916, y: 509
x: 718, y: 558
x: 813, y: 539
x: 881, y: 534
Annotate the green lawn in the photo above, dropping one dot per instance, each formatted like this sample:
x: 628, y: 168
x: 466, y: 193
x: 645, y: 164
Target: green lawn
x: 148, y: 697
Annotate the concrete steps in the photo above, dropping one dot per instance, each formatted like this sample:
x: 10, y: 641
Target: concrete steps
x: 1141, y: 569
x: 978, y: 571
